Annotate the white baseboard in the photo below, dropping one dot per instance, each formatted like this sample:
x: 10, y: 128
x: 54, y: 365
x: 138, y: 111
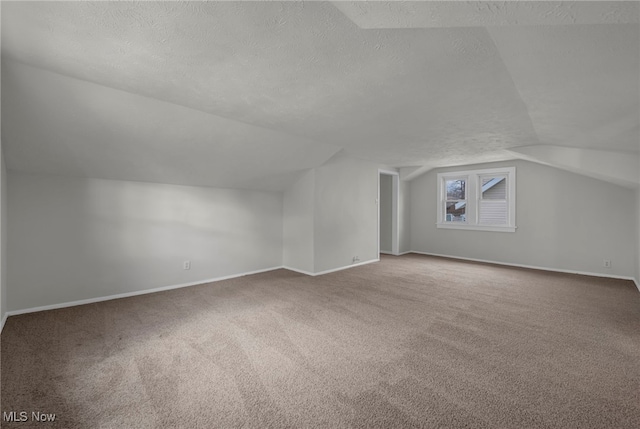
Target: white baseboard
x: 165, y: 288
x: 384, y: 252
x: 533, y: 267
x: 333, y: 270
x: 130, y: 294
x: 217, y: 279
x: 306, y: 273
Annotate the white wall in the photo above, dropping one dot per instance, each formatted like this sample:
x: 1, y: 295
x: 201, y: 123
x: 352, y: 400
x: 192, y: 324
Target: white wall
x: 75, y: 239
x: 565, y: 221
x: 386, y: 215
x: 346, y: 213
x: 298, y: 224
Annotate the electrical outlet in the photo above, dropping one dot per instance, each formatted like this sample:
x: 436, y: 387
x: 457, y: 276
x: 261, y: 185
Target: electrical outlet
x: 186, y: 265
x: 606, y: 263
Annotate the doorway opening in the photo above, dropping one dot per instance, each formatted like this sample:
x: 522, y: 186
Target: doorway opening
x: 388, y: 194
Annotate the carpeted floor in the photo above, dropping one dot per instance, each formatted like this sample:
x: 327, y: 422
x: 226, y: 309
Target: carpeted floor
x: 412, y: 341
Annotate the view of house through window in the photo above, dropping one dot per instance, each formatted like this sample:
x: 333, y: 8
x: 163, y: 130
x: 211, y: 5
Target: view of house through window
x: 493, y: 208
x: 456, y: 203
x: 479, y: 199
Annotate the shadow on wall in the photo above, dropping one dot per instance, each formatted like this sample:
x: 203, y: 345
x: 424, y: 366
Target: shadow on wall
x: 92, y: 238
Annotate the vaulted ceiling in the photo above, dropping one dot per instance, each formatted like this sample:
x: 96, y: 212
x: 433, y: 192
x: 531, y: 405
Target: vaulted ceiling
x: 249, y: 94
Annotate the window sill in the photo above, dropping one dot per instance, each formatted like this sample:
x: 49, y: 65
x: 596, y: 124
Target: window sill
x: 492, y: 228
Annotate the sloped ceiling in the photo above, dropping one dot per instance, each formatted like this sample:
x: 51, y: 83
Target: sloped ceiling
x: 247, y: 94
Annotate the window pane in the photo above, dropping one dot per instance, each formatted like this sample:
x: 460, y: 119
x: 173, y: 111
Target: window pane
x: 456, y: 189
x: 494, y: 188
x: 456, y: 212
x: 493, y: 212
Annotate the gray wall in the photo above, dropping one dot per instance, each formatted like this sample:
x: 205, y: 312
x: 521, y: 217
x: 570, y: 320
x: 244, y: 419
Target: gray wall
x: 330, y: 216
x: 3, y: 237
x: 74, y: 239
x: 386, y: 207
x: 638, y: 237
x: 346, y: 213
x: 565, y: 221
x: 298, y: 224
x: 3, y: 219
x: 404, y: 216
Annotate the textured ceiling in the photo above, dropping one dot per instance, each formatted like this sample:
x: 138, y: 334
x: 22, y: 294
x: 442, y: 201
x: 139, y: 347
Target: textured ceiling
x: 246, y: 94
x: 580, y: 83
x: 451, y: 14
x: 59, y: 125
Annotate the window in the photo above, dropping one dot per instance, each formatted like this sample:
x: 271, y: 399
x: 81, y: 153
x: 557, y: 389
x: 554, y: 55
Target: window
x: 456, y: 203
x: 480, y: 200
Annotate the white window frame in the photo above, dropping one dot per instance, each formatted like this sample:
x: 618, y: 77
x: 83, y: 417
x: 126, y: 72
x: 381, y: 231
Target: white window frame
x: 473, y: 195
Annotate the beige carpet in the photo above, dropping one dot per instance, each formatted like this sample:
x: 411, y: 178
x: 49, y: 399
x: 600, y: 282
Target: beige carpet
x: 412, y: 341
